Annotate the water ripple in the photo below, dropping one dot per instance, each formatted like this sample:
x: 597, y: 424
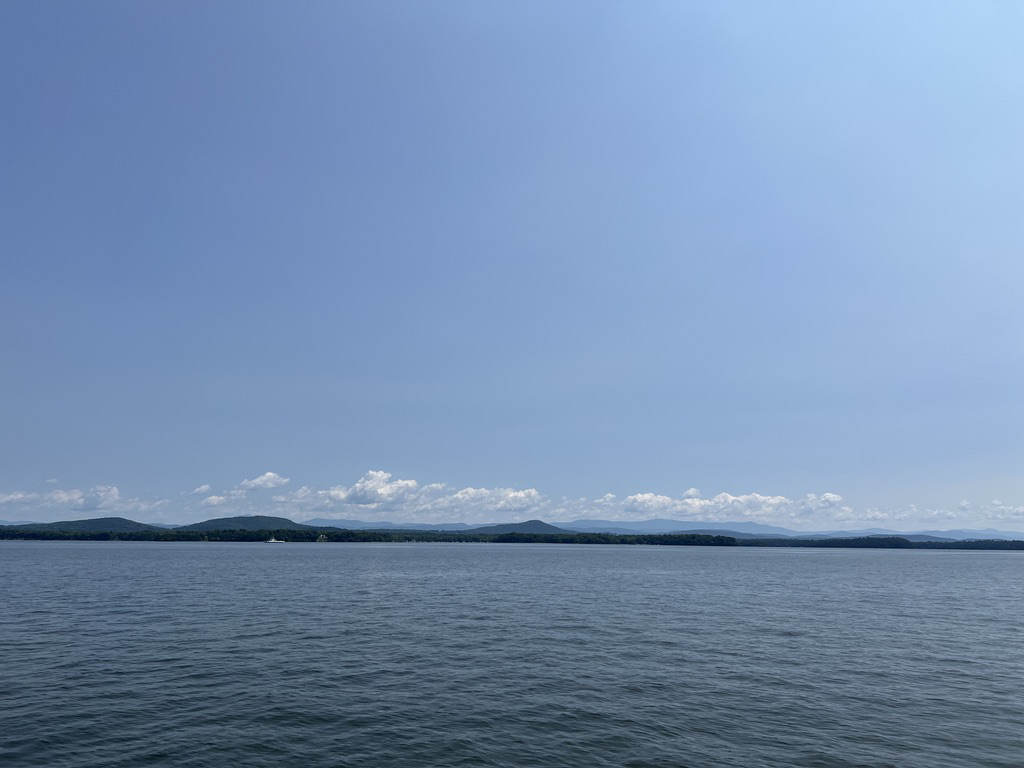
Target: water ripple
x: 399, y: 656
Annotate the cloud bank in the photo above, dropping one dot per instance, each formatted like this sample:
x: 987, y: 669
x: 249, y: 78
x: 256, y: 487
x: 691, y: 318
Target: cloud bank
x: 98, y: 501
x: 379, y: 496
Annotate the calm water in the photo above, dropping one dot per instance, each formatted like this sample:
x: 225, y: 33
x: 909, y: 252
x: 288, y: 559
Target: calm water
x: 395, y: 655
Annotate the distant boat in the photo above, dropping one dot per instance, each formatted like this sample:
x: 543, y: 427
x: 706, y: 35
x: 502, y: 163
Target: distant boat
x: 272, y: 540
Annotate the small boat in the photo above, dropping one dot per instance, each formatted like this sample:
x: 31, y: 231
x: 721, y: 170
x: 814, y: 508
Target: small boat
x: 272, y: 540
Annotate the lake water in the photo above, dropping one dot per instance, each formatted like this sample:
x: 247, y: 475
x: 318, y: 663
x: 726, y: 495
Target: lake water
x: 413, y: 655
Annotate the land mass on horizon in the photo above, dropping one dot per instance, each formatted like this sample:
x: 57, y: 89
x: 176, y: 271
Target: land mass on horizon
x: 268, y: 528
x: 737, y: 529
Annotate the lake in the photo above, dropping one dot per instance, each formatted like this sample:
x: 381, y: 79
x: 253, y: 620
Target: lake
x: 413, y: 655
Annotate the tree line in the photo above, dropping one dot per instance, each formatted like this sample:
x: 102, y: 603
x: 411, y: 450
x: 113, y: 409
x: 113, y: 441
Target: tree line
x: 883, y: 542
x: 328, y: 535
x: 368, y: 536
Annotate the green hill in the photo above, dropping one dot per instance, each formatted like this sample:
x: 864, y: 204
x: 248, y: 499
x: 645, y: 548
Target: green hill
x: 97, y: 524
x: 247, y: 523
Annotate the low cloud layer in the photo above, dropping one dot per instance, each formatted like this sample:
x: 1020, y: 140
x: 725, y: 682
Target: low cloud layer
x: 376, y: 496
x: 379, y: 496
x: 98, y: 501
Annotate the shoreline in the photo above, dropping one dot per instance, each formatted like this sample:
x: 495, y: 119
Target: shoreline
x: 370, y: 536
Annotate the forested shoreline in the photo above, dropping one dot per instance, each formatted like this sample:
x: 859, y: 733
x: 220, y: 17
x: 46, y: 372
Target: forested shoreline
x: 371, y: 536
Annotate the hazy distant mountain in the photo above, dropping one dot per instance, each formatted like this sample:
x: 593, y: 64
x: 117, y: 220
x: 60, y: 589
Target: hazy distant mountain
x: 984, y: 533
x: 955, y: 534
x: 98, y: 524
x: 769, y: 531
x: 246, y: 523
x: 858, y: 532
x: 865, y: 534
x: 742, y: 530
x: 734, y: 534
x: 670, y: 526
x: 604, y: 529
x: 359, y: 525
x: 17, y: 522
x: 530, y: 526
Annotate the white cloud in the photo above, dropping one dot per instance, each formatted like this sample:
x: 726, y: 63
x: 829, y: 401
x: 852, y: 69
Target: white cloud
x: 266, y: 480
x: 61, y: 498
x: 724, y: 507
x: 105, y: 499
x: 51, y: 480
x: 998, y: 511
x: 378, y: 495
x: 375, y: 487
x: 15, y: 497
x: 903, y: 515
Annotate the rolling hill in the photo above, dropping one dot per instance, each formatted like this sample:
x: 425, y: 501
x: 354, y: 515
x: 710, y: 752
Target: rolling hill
x: 247, y: 523
x: 97, y: 524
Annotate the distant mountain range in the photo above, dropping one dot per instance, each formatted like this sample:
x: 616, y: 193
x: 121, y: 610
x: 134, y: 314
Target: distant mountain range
x: 902, y: 535
x: 955, y: 533
x: 380, y: 525
x: 761, y: 531
x: 660, y: 525
x: 530, y: 526
x: 737, y: 529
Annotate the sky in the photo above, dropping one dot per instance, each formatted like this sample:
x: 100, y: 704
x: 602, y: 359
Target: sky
x: 479, y: 261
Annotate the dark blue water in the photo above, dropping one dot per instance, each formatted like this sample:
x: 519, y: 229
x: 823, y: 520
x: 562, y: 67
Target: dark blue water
x: 395, y: 655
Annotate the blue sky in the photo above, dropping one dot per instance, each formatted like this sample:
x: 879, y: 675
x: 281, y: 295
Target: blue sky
x: 542, y: 253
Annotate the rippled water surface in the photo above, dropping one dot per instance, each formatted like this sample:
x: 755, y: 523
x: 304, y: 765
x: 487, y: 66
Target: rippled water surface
x: 395, y: 655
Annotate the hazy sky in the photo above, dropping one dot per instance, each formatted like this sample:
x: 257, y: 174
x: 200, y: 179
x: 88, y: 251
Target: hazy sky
x: 519, y: 255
